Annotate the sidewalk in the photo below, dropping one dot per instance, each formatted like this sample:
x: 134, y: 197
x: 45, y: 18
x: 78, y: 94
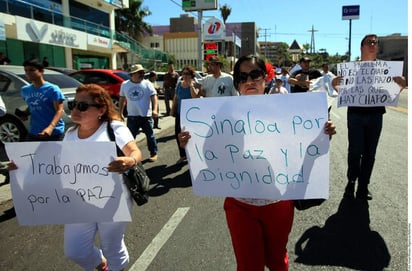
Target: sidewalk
x: 164, y: 123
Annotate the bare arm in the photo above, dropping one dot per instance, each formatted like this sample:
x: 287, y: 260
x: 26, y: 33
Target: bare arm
x: 400, y: 80
x: 122, y: 103
x: 58, y: 107
x: 336, y: 82
x: 132, y: 155
x: 154, y: 101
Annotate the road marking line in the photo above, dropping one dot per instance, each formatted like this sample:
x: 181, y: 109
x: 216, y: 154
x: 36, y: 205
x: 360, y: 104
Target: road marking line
x: 143, y: 262
x: 399, y: 109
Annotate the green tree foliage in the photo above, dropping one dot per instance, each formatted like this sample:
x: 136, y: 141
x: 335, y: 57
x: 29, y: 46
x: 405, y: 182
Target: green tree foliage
x: 130, y: 20
x: 283, y: 57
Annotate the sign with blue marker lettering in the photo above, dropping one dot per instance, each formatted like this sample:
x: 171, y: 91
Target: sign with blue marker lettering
x: 263, y: 146
x: 369, y: 83
x: 63, y: 182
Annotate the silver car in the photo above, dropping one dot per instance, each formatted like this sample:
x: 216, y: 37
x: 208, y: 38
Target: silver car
x: 12, y: 79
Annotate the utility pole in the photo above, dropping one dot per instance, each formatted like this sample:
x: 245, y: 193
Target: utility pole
x: 199, y: 41
x: 265, y: 35
x: 312, y: 40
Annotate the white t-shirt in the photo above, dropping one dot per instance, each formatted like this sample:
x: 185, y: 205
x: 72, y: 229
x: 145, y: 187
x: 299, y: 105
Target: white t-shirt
x: 219, y: 87
x: 285, y: 82
x: 122, y: 135
x: 138, y: 96
x: 324, y: 84
x: 121, y: 132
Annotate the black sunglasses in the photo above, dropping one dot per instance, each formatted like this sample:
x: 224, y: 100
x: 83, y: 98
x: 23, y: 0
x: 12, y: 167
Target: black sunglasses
x: 81, y: 106
x: 255, y: 75
x: 372, y: 42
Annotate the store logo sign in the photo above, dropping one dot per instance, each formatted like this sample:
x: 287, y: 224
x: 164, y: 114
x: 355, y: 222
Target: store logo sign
x: 34, y: 32
x: 214, y: 29
x: 64, y: 38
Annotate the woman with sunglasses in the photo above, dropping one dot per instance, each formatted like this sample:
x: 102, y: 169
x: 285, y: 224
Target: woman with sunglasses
x: 259, y: 228
x: 185, y: 89
x: 92, y: 111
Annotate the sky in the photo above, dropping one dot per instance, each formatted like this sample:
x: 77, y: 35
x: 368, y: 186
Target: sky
x: 285, y: 21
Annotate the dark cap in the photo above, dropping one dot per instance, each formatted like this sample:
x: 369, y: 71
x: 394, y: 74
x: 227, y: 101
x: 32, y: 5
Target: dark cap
x: 305, y: 58
x: 214, y: 59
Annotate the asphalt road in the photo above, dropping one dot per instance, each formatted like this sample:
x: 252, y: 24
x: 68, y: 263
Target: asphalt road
x: 178, y: 231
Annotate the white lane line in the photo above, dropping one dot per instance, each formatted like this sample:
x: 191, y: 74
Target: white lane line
x: 160, y: 239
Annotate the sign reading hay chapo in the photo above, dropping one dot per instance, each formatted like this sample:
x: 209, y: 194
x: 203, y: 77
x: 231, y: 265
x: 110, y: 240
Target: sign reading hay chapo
x: 369, y: 83
x: 66, y: 182
x: 263, y: 146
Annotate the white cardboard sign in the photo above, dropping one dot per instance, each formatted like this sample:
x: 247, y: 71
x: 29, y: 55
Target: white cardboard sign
x: 263, y: 146
x: 369, y: 83
x: 66, y: 182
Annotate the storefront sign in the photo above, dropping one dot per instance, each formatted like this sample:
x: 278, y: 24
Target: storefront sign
x: 36, y: 31
x: 99, y: 41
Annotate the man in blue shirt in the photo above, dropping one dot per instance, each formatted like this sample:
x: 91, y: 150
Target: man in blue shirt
x: 45, y: 105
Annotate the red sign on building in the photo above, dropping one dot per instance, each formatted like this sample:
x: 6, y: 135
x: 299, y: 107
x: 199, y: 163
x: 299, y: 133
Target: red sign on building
x: 210, y: 49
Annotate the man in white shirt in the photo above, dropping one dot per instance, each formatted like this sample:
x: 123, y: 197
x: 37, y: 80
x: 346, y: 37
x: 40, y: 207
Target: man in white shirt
x: 217, y: 83
x: 142, y: 104
x: 284, y: 76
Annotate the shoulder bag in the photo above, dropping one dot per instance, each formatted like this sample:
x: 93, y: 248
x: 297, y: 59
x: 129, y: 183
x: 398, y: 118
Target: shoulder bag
x: 135, y: 178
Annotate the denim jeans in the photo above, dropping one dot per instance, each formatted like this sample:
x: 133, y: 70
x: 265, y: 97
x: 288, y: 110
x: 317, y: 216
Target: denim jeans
x: 134, y: 123
x: 364, y: 130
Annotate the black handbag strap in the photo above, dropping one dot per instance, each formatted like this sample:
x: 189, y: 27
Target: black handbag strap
x: 113, y: 138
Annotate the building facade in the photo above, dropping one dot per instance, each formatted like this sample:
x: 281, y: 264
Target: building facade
x: 180, y: 39
x: 394, y: 48
x: 70, y: 33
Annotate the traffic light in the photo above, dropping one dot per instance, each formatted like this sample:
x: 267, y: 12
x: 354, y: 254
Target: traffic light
x: 210, y: 49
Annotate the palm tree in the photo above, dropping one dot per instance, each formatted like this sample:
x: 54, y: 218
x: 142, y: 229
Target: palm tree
x: 306, y: 48
x: 130, y: 20
x: 225, y: 11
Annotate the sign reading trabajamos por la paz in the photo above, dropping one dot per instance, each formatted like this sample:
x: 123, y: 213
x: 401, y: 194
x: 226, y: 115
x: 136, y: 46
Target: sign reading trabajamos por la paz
x: 262, y: 146
x: 66, y: 182
x: 369, y: 83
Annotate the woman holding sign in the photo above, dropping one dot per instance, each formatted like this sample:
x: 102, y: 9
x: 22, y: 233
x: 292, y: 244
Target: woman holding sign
x: 92, y: 110
x: 185, y: 89
x: 259, y: 228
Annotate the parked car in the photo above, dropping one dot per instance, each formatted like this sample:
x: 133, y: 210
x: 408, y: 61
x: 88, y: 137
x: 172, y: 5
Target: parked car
x: 108, y: 79
x: 62, y: 70
x: 12, y: 79
x: 159, y: 82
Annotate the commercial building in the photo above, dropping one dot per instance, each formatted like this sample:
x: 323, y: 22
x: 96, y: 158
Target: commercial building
x: 180, y: 39
x: 395, y: 48
x: 70, y: 33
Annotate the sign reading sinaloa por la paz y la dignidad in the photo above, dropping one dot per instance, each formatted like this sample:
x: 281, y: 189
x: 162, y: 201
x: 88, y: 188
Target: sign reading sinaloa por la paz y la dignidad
x: 369, y: 83
x: 260, y: 146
